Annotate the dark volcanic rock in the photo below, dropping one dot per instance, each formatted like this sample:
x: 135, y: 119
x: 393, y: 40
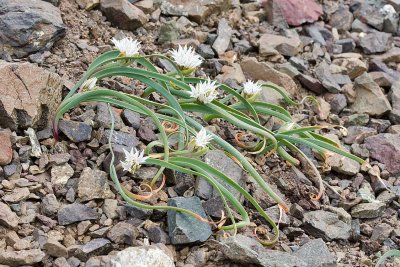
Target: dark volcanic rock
x: 376, y: 42
x: 98, y: 246
x: 75, y: 213
x: 75, y: 131
x: 316, y: 253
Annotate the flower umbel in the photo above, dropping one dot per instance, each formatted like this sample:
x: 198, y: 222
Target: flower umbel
x: 186, y: 58
x: 202, y: 138
x: 89, y: 84
x: 204, y: 91
x: 127, y: 46
x: 251, y: 88
x: 133, y: 160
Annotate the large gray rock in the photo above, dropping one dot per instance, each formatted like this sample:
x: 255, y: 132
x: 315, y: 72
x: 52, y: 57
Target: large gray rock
x: 385, y: 147
x: 376, y: 42
x: 76, y: 213
x: 284, y: 45
x: 29, y: 26
x: 368, y: 210
x: 316, y: 254
x: 143, y: 256
x: 221, y: 44
x: 183, y: 228
x: 29, y: 95
x: 93, y: 184
x: 23, y: 257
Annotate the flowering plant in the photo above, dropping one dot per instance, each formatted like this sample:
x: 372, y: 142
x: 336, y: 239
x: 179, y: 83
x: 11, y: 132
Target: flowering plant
x: 184, y: 94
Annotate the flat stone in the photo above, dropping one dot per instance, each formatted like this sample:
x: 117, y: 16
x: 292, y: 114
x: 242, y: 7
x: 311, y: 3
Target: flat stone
x: 6, y: 153
x: 315, y: 253
x: 55, y: 248
x: 61, y: 174
x: 326, y: 225
x: 103, y: 117
x: 183, y: 228
x: 75, y: 131
x: 22, y: 257
x: 353, y: 67
x: 131, y: 118
x: 224, y: 33
x: 35, y: 96
x: 341, y: 164
x: 385, y: 148
x: 347, y: 45
x: 8, y: 218
x: 368, y: 210
x: 138, y: 213
x: 143, y: 256
x: 311, y: 83
x: 325, y: 76
x: 357, y: 134
x: 123, y: 233
x: 17, y: 195
x: 295, y: 13
x: 76, y: 213
x: 341, y: 19
x: 93, y: 184
x: 284, y: 45
x: 205, y: 51
x: 370, y: 15
x: 110, y: 208
x: 394, y: 115
x: 94, y: 247
x: 376, y: 42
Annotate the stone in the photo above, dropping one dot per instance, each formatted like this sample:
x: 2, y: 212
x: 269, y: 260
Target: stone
x: 6, y: 153
x: 220, y: 161
x: 94, y: 247
x: 341, y: 19
x: 295, y: 13
x: 284, y: 45
x: 183, y: 228
x: 110, y: 208
x: 325, y: 225
x: 377, y: 65
x: 128, y: 140
x: 224, y: 33
x: 17, y: 195
x: 341, y: 164
x: 168, y: 32
x: 315, y: 33
x: 123, y: 14
x: 255, y: 70
x: 55, y: 248
x: 370, y: 98
x: 93, y: 184
x: 8, y: 218
x: 385, y: 148
x: 61, y: 174
x: 381, y: 232
x: 75, y: 212
x: 370, y: 15
x: 138, y: 213
x: 368, y: 210
x: 245, y: 250
x: 123, y: 233
x: 324, y: 75
x: 147, y: 6
x: 233, y: 72
x: 357, y: 134
x: 382, y: 78
x: 379, y: 125
x: 205, y: 51
x: 34, y: 98
x: 131, y: 118
x: 103, y: 117
x: 75, y: 131
x: 347, y: 45
x: 198, y: 12
x: 22, y: 257
x: 29, y: 27
x: 376, y: 42
x: 353, y: 67
x: 394, y: 115
x: 393, y: 55
x: 338, y: 102
x: 143, y: 256
x: 311, y: 83
x: 315, y: 253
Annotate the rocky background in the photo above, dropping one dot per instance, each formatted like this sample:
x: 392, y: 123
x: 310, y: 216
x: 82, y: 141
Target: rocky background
x: 57, y: 205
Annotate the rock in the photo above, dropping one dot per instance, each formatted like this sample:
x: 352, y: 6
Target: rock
x: 233, y: 72
x: 35, y: 96
x: 347, y: 45
x: 393, y: 55
x: 103, y: 117
x: 343, y: 165
x: 183, y: 228
x: 394, y: 115
x: 299, y: 12
x: 379, y: 125
x: 341, y: 19
x: 55, y: 248
x: 123, y: 233
x: 376, y: 42
x: 147, y: 6
x: 220, y: 161
x: 284, y: 45
x: 138, y: 213
x: 28, y: 27
x: 197, y: 11
x: 143, y: 256
x: 128, y: 140
x: 50, y: 205
x: 123, y: 14
x: 385, y: 148
x: 311, y: 83
x: 315, y: 253
x: 17, y: 195
x: 381, y: 232
x: 168, y: 32
x: 353, y: 66
x: 324, y: 75
x: 255, y: 70
x: 131, y: 118
x: 205, y: 51
x: 146, y: 132
x: 110, y: 208
x: 338, y: 103
x: 370, y: 99
x: 94, y: 247
x: 8, y: 218
x: 357, y: 134
x: 61, y: 174
x: 326, y: 225
x: 314, y: 32
x: 6, y: 153
x: 22, y: 257
x: 75, y: 131
x: 93, y: 184
x: 370, y: 15
x: 75, y: 213
x: 382, y: 78
x: 368, y: 210
x: 224, y: 33
x: 245, y: 250
x: 357, y: 120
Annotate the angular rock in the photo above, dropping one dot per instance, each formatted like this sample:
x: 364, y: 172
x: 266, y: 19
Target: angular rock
x: 55, y: 248
x: 123, y: 14
x: 143, y: 256
x: 123, y: 233
x: 110, y: 208
x: 8, y: 218
x: 128, y: 140
x: 370, y: 99
x: 376, y: 42
x: 168, y: 32
x: 341, y: 19
x: 131, y: 118
x: 385, y: 148
x: 368, y: 210
x: 255, y: 70
x: 343, y: 165
x: 75, y: 131
x: 29, y: 26
x: 103, y: 117
x: 205, y: 51
x: 315, y: 253
x: 5, y: 147
x: 61, y: 174
x: 284, y: 45
x: 311, y: 83
x: 76, y: 213
x: 34, y: 98
x: 93, y: 184
x: 183, y: 228
x: 94, y: 247
x: 17, y: 195
x: 325, y: 77
x: 354, y: 67
x: 138, y: 213
x: 299, y: 12
x: 326, y: 225
x: 357, y: 134
x: 50, y: 205
x: 394, y: 115
x: 22, y: 257
x: 370, y: 15
x: 224, y: 33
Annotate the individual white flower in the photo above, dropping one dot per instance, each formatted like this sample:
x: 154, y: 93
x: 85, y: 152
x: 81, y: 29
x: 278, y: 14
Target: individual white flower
x: 133, y: 160
x: 251, y: 88
x: 89, y: 84
x: 202, y: 138
x: 185, y: 57
x: 127, y: 46
x: 205, y: 91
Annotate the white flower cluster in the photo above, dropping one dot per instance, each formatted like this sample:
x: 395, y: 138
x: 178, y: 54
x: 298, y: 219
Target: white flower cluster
x: 205, y: 91
x: 89, y: 84
x: 127, y: 46
x: 133, y: 160
x: 185, y: 57
x: 251, y: 88
x: 202, y: 138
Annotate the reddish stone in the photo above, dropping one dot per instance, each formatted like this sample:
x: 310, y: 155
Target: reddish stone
x: 297, y: 12
x: 5, y: 147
